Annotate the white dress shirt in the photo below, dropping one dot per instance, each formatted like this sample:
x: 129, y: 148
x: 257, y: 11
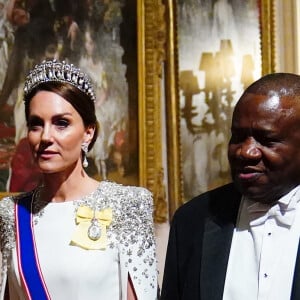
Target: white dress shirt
x: 264, y: 249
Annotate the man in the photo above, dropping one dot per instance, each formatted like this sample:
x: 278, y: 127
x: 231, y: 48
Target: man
x: 240, y: 241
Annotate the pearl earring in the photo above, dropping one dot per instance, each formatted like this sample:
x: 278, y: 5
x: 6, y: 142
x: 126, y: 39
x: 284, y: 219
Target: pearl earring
x: 84, y: 148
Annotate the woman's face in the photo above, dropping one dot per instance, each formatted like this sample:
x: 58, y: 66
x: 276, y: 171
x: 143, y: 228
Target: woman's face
x: 55, y: 133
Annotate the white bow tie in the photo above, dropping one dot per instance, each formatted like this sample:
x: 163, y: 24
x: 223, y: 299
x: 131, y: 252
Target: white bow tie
x: 259, y: 213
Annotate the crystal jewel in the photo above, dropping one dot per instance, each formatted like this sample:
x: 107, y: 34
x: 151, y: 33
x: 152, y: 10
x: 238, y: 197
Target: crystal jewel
x: 94, y: 231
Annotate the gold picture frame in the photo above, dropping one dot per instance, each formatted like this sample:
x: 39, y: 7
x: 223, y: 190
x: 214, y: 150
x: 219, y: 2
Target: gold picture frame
x: 175, y: 174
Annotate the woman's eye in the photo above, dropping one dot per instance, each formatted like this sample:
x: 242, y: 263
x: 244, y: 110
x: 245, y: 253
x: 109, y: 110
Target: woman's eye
x: 62, y: 123
x: 33, y: 127
x: 34, y: 124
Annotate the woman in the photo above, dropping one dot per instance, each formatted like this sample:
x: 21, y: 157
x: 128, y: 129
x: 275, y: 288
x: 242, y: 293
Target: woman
x: 73, y: 237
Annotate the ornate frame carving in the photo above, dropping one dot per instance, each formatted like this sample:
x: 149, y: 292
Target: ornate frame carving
x: 151, y: 54
x: 267, y: 36
x: 175, y: 180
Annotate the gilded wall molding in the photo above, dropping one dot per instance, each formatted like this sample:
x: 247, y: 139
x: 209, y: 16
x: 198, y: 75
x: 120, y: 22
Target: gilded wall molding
x: 175, y: 179
x: 268, y: 36
x: 151, y: 41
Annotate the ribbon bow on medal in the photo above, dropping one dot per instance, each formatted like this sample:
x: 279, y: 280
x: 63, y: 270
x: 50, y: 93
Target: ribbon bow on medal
x: 90, y: 232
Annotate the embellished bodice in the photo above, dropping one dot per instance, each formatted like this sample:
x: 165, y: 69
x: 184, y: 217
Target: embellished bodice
x: 130, y: 232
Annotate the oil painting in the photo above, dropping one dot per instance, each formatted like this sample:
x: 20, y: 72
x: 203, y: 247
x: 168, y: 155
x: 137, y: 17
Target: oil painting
x: 89, y: 34
x: 219, y: 55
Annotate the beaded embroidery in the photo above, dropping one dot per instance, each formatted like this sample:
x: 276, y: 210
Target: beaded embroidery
x: 131, y: 230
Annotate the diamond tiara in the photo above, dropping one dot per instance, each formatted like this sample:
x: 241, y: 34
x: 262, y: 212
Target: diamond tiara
x: 59, y: 71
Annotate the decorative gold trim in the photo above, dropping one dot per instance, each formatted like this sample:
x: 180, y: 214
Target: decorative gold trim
x: 267, y: 36
x: 175, y: 180
x: 5, y: 194
x: 151, y: 53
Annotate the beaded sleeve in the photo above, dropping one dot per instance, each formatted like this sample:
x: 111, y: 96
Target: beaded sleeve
x: 137, y: 245
x: 7, y: 237
x: 132, y: 232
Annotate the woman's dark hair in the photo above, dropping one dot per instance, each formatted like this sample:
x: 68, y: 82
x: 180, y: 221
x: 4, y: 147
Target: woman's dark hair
x: 83, y: 104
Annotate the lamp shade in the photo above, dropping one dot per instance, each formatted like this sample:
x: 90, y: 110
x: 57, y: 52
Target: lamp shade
x: 226, y: 47
x: 188, y: 82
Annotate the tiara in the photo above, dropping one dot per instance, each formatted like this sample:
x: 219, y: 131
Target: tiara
x: 59, y: 71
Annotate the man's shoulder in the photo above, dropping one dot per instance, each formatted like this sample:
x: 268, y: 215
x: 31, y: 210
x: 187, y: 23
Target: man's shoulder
x: 212, y: 202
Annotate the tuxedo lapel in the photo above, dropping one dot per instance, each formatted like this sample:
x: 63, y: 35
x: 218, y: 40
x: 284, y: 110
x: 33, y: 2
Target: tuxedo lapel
x: 223, y: 207
x: 215, y: 253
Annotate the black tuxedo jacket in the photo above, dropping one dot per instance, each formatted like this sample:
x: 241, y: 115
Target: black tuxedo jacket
x: 199, y: 246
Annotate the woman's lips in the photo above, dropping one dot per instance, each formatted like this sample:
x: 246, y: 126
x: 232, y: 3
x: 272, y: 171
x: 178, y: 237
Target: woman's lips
x: 47, y: 154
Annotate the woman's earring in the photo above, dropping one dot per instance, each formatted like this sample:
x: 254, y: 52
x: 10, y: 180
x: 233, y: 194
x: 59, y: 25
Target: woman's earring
x: 84, y: 148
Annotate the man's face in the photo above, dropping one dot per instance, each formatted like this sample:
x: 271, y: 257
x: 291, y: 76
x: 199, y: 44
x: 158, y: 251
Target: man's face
x: 264, y: 149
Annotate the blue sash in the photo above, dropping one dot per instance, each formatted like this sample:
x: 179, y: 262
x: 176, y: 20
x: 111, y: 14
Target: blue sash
x: 29, y: 268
